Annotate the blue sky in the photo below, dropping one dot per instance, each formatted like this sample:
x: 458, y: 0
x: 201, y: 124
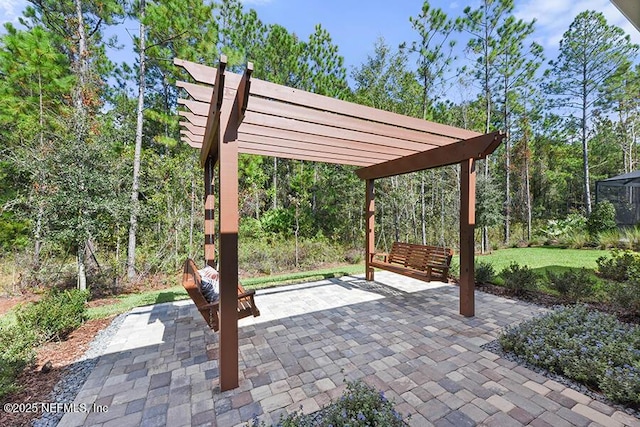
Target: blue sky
x: 356, y: 24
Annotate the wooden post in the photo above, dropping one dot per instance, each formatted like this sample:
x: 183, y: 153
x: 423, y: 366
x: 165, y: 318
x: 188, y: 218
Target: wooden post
x: 370, y: 207
x: 209, y: 210
x: 467, y: 246
x: 228, y: 176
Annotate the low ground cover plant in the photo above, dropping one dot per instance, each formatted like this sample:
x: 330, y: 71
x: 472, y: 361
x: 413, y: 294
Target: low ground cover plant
x: 360, y: 405
x: 588, y: 346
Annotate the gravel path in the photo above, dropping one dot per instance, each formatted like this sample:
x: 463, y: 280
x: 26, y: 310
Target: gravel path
x: 76, y: 374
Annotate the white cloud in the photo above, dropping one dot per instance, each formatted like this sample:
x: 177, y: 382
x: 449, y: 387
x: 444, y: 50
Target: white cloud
x: 553, y: 17
x: 10, y: 10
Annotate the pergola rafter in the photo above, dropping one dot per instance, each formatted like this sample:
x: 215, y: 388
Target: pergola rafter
x: 231, y: 114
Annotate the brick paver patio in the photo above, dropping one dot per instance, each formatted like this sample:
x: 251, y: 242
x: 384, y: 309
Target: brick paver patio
x: 402, y: 336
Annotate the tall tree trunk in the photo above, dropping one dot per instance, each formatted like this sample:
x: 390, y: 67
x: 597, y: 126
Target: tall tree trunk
x: 82, y: 272
x: 37, y: 232
x: 423, y: 209
x: 81, y: 65
x: 275, y: 183
x: 487, y: 124
x: 507, y: 199
x: 135, y: 203
x: 527, y: 184
x: 585, y: 148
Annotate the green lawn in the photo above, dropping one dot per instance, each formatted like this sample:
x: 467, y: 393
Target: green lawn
x: 544, y: 258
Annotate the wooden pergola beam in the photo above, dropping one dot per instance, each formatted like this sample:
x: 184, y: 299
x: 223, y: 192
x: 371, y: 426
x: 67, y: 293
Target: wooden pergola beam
x: 328, y: 143
x: 268, y: 143
x: 195, y: 130
x: 298, y: 153
x: 474, y: 148
x: 292, y: 96
x: 200, y: 121
x: 210, y: 142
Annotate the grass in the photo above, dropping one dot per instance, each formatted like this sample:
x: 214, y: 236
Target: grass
x: 542, y: 259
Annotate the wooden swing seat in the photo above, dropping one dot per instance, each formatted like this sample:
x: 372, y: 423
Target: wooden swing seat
x: 192, y: 283
x: 417, y: 261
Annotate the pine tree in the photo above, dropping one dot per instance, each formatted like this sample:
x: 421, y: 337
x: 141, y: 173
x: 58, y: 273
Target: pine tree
x: 590, y: 52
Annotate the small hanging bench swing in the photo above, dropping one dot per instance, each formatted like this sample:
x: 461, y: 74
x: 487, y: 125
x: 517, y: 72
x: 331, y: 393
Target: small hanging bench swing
x: 417, y: 261
x: 192, y: 282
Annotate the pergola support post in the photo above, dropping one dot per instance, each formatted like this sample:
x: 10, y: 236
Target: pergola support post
x: 467, y: 245
x: 370, y: 226
x: 228, y: 176
x: 209, y: 210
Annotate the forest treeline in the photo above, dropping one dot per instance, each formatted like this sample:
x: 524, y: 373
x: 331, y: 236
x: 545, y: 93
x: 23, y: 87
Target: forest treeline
x: 92, y: 169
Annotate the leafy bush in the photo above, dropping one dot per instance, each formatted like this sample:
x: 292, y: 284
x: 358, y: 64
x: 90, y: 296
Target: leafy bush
x: 627, y: 294
x: 575, y: 285
x: 484, y: 272
x: 353, y: 256
x: 602, y: 218
x: 278, y: 221
x: 557, y: 229
x: 359, y: 405
x: 587, y: 346
x: 16, y: 352
x: 519, y: 279
x: 618, y: 266
x: 56, y: 315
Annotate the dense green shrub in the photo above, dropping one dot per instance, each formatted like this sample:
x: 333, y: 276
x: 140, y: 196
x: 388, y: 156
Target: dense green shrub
x: 588, y: 346
x: 360, y: 405
x: 619, y: 265
x: 519, y: 279
x: 602, y: 218
x: 574, y: 285
x: 56, y: 315
x: 484, y: 272
x: 16, y: 352
x: 557, y: 229
x: 626, y: 294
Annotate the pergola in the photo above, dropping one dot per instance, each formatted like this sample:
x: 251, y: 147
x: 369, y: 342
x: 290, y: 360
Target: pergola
x: 231, y: 114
